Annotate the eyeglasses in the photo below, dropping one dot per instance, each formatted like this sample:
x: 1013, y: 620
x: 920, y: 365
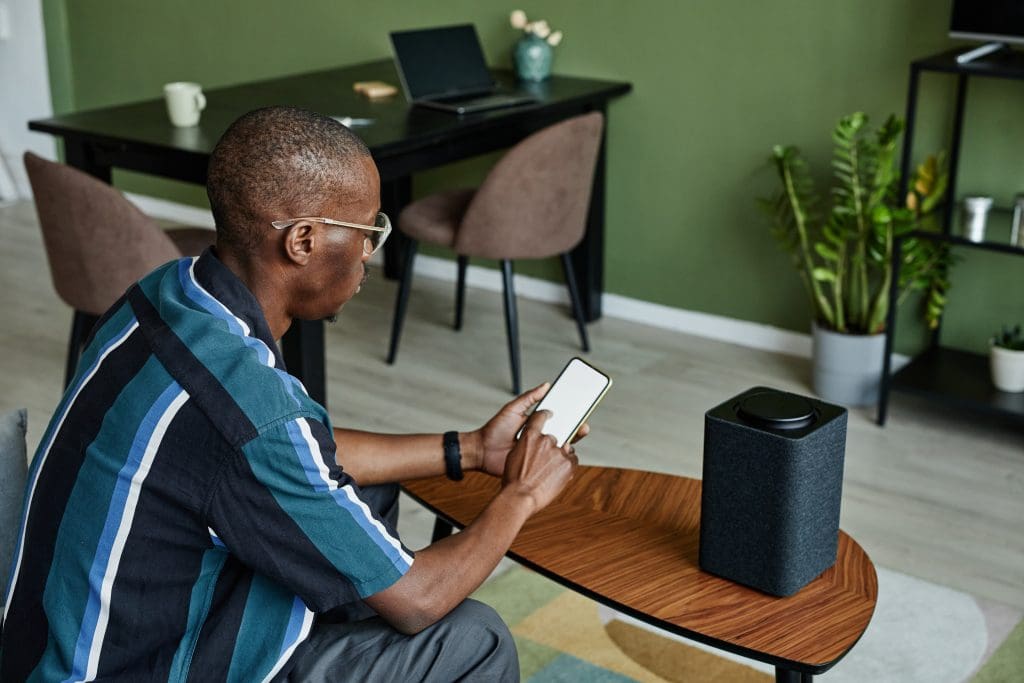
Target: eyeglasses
x: 379, y: 231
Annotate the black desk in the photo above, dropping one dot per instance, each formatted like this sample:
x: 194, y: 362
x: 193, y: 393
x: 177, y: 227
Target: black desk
x: 403, y: 140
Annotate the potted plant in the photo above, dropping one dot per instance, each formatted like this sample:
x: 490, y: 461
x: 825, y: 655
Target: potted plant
x: 1006, y: 359
x: 842, y: 247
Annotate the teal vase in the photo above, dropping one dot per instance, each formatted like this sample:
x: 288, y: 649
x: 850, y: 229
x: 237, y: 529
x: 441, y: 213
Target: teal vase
x: 532, y: 57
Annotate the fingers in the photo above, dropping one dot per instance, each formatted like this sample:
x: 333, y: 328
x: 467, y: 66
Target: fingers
x: 522, y: 403
x: 537, y: 420
x: 581, y: 432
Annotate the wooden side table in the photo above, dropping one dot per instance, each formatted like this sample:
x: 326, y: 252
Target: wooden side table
x: 628, y: 539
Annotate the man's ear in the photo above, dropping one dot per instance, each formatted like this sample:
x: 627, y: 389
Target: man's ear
x: 299, y: 242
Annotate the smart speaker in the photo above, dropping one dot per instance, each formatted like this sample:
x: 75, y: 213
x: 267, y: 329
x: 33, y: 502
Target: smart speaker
x: 773, y: 478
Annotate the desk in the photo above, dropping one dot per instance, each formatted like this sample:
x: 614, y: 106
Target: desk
x: 403, y: 141
x: 628, y: 539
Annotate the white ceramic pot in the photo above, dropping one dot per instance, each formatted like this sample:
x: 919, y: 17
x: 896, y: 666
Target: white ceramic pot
x: 1007, y: 368
x: 847, y: 367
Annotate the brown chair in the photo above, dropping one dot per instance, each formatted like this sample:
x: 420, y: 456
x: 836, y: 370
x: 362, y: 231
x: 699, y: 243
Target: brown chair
x: 532, y: 205
x: 98, y: 243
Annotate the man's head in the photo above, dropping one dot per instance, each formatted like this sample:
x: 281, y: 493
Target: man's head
x: 282, y: 163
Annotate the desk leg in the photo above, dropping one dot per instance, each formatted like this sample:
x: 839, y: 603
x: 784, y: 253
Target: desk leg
x: 80, y: 155
x: 787, y: 676
x: 395, y: 195
x: 588, y: 256
x: 442, y: 529
x: 303, y: 350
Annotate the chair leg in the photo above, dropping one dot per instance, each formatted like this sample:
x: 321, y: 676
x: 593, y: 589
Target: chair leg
x: 404, y: 285
x: 460, y: 290
x: 511, y: 323
x: 81, y: 327
x: 574, y: 297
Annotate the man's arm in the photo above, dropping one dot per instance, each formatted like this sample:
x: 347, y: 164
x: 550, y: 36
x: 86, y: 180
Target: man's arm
x: 446, y: 572
x: 386, y: 458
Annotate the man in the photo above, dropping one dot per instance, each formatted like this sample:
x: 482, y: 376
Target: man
x: 191, y: 515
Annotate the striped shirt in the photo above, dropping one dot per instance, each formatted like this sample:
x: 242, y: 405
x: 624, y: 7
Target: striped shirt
x: 185, y: 517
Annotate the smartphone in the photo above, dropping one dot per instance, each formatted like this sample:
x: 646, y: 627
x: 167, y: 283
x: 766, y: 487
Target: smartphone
x: 572, y: 398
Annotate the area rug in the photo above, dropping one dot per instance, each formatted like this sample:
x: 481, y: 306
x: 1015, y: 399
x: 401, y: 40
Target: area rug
x: 920, y: 632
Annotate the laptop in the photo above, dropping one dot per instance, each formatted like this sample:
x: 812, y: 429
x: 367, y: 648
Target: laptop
x: 444, y: 68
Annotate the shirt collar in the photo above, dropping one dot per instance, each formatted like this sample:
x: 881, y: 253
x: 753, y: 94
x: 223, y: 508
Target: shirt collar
x: 225, y: 286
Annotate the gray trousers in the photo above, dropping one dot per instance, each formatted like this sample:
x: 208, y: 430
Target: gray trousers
x: 471, y: 643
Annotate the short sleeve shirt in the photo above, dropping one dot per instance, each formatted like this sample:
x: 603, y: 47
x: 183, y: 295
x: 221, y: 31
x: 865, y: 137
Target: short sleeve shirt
x: 185, y: 517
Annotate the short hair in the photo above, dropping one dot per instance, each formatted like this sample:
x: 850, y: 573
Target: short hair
x: 277, y: 158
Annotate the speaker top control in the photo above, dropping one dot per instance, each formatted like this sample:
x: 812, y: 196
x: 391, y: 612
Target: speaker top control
x: 776, y: 410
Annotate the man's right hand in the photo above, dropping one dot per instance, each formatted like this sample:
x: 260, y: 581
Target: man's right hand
x: 536, y: 467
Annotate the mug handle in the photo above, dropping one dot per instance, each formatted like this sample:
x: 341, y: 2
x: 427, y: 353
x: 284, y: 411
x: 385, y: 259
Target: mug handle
x: 200, y: 101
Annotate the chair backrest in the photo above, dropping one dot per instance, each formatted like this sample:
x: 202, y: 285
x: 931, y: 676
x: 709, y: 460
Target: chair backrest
x: 97, y: 242
x: 534, y: 202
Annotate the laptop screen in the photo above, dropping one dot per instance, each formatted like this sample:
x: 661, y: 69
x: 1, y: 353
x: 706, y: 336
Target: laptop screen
x: 439, y: 62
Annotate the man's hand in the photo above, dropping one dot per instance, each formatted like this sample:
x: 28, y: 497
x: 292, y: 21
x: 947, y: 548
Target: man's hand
x: 536, y: 466
x: 496, y: 438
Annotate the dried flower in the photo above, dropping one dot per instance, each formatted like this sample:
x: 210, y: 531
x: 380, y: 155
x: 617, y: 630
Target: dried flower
x: 539, y: 28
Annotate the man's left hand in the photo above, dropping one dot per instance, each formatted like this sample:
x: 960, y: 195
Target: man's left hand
x: 498, y: 436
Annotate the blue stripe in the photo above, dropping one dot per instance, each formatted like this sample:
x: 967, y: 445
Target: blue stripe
x: 312, y: 470
x: 294, y: 630
x: 210, y: 304
x: 198, y: 610
x: 48, y: 438
x: 114, y: 513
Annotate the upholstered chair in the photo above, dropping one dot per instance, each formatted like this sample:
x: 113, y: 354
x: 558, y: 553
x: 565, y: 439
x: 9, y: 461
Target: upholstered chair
x: 532, y: 205
x: 98, y: 243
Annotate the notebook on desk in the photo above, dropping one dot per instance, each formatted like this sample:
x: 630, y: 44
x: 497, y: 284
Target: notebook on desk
x: 444, y: 68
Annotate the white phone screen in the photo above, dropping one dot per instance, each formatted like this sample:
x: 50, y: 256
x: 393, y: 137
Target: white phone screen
x: 571, y: 399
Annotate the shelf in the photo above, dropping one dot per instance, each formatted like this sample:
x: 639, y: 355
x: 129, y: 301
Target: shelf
x: 957, y: 378
x: 1002, y: 64
x: 1002, y: 246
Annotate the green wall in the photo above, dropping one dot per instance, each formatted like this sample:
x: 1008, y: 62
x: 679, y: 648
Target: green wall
x: 716, y: 84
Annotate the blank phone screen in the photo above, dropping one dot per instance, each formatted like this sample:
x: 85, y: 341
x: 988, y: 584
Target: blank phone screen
x: 571, y: 398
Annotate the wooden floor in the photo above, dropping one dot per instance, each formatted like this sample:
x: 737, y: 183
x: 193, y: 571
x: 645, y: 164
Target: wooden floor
x: 935, y: 494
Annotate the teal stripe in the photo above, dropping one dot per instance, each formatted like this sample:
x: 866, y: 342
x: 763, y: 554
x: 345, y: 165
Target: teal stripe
x: 198, y: 609
x: 114, y: 325
x: 235, y: 364
x: 67, y: 586
x: 263, y: 629
x: 335, y: 530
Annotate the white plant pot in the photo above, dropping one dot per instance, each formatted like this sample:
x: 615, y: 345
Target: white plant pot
x: 847, y: 367
x: 1007, y: 368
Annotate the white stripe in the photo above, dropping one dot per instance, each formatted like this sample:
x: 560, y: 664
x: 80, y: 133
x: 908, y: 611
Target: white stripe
x: 325, y: 475
x: 271, y: 360
x: 46, y: 452
x: 127, y: 516
x: 307, y: 624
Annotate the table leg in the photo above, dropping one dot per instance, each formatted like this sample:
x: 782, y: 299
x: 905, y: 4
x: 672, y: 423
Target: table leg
x: 788, y: 676
x: 588, y: 256
x: 82, y: 156
x: 442, y: 529
x: 303, y: 351
x: 395, y: 195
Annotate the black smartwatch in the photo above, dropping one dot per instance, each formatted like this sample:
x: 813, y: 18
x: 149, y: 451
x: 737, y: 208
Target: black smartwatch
x: 452, y: 456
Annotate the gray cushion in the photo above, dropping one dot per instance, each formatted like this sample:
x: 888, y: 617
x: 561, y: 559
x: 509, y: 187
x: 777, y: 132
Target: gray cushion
x: 13, y: 471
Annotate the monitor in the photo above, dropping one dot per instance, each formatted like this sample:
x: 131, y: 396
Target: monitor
x: 988, y: 20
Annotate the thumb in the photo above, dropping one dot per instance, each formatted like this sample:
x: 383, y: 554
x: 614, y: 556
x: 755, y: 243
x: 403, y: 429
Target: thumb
x: 522, y: 403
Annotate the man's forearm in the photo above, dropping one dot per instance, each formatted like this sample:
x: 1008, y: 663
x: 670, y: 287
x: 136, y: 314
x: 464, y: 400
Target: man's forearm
x: 445, y: 572
x: 386, y: 458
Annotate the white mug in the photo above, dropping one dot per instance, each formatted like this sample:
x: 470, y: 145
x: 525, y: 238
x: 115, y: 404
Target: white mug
x: 184, y: 102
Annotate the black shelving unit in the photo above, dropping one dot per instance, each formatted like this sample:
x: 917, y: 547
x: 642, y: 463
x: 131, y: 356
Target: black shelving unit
x: 955, y: 377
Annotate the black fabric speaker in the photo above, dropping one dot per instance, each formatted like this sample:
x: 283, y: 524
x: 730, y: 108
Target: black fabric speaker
x: 773, y: 479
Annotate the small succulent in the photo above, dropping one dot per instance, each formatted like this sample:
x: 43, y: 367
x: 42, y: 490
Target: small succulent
x: 1012, y: 339
x: 539, y: 28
